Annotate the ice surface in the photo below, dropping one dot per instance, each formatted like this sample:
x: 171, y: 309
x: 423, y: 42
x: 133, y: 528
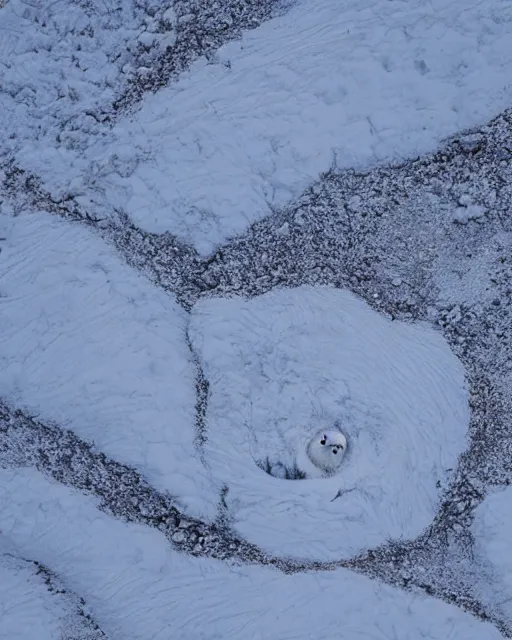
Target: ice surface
x: 90, y: 343
x: 492, y: 529
x: 290, y: 362
x: 362, y: 81
x: 138, y: 588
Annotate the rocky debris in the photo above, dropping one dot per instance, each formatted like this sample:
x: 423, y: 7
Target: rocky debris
x: 180, y: 33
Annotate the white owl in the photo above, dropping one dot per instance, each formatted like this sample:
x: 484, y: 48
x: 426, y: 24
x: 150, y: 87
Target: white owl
x: 326, y: 450
x: 323, y: 454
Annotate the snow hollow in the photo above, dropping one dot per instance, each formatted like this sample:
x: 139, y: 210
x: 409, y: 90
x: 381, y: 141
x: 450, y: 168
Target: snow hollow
x: 291, y: 362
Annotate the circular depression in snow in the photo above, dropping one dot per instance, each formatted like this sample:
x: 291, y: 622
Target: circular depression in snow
x: 287, y: 364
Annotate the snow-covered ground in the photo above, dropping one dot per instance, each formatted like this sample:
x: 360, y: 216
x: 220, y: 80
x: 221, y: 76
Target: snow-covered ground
x: 352, y: 83
x: 33, y: 605
x: 88, y: 342
x: 493, y: 532
x: 288, y: 363
x: 60, y: 62
x: 377, y: 299
x: 139, y: 588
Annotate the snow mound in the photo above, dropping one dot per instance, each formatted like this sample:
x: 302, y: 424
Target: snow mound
x: 492, y: 529
x: 291, y: 362
x: 360, y: 82
x: 90, y: 343
x: 137, y: 587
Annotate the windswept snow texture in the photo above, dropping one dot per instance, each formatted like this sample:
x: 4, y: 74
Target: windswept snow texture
x: 138, y: 588
x: 493, y: 546
x: 359, y: 81
x: 90, y: 343
x: 29, y: 608
x: 290, y: 362
x: 26, y: 604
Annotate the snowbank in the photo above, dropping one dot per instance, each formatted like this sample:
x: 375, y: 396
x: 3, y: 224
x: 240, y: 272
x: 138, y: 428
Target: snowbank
x: 290, y: 362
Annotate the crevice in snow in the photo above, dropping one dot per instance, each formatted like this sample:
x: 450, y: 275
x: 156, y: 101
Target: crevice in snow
x: 279, y: 469
x: 27, y: 192
x: 202, y: 395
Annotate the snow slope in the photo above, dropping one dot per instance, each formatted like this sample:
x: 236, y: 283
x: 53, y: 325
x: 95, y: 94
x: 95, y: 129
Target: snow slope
x: 361, y: 80
x: 288, y: 363
x: 138, y: 588
x: 90, y: 343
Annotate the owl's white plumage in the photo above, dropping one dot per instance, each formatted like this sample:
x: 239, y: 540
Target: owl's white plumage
x: 326, y: 450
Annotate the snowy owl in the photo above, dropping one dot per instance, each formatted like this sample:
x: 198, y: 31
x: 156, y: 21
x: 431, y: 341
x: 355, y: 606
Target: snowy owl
x: 326, y: 450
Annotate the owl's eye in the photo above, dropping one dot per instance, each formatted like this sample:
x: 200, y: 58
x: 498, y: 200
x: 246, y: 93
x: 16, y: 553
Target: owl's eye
x: 322, y: 441
x: 335, y: 451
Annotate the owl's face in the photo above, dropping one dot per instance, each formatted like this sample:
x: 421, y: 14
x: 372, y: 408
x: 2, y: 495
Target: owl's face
x: 335, y: 440
x: 327, y: 448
